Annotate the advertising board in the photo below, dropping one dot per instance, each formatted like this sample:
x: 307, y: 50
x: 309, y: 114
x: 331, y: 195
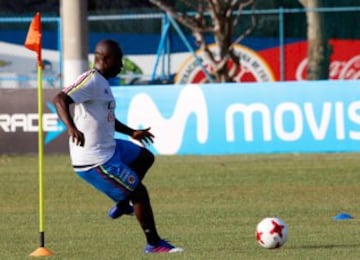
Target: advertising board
x: 271, y: 117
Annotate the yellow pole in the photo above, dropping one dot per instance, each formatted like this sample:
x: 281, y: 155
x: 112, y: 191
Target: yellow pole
x: 42, y: 250
x: 41, y: 151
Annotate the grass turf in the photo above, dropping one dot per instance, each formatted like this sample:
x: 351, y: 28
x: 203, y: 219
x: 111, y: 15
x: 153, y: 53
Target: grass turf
x: 209, y: 205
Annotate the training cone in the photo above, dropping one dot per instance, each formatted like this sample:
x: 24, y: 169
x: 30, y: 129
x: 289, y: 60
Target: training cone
x: 42, y: 251
x: 343, y: 216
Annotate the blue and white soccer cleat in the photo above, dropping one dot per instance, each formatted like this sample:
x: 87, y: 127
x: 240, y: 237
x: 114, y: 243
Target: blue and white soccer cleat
x: 162, y: 247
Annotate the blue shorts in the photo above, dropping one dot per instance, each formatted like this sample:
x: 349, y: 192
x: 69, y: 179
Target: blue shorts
x: 114, y: 178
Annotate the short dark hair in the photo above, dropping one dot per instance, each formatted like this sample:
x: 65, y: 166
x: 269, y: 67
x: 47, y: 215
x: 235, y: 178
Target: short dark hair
x: 111, y: 45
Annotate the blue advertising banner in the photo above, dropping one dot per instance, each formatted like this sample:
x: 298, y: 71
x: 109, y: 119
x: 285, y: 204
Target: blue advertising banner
x: 301, y: 116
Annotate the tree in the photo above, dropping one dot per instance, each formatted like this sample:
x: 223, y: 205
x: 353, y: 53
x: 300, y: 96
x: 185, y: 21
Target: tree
x: 219, y: 18
x: 319, y: 50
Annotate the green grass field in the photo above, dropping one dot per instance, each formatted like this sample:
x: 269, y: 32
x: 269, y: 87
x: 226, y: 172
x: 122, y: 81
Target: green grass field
x: 208, y: 205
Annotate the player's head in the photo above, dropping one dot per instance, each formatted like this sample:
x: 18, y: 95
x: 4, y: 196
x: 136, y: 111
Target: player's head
x: 108, y: 58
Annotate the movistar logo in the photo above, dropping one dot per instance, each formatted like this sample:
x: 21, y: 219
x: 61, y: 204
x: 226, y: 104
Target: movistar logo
x: 169, y: 132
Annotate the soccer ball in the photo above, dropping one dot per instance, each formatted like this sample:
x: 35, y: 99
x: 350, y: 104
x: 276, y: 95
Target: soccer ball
x: 271, y: 233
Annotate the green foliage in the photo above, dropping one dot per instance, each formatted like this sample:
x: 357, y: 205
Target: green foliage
x: 210, y: 205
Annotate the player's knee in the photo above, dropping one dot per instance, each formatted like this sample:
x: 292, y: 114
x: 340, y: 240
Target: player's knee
x: 148, y: 158
x: 143, y: 163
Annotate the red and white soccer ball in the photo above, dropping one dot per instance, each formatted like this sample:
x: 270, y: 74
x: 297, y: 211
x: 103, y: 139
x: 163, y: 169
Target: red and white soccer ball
x: 271, y: 233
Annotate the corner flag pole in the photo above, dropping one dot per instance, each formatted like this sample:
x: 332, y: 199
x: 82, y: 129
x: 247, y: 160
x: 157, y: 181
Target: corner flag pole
x: 33, y: 42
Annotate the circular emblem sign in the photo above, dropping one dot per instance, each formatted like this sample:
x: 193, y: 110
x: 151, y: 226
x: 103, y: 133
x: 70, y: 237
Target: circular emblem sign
x: 253, y: 67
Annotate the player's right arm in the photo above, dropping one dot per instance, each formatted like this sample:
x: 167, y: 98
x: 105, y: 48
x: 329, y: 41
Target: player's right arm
x: 62, y: 103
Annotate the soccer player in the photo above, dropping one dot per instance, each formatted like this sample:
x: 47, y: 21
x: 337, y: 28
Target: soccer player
x: 113, y: 166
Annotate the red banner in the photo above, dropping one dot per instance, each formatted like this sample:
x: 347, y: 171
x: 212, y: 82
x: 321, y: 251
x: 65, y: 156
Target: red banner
x: 264, y: 65
x: 344, y: 60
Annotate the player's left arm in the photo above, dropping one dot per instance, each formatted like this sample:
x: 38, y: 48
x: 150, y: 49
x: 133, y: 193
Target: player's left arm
x: 142, y: 135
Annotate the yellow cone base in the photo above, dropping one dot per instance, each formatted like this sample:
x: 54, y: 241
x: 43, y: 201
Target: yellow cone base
x: 42, y: 251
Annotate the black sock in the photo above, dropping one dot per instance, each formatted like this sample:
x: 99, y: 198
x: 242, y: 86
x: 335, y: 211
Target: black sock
x: 152, y: 237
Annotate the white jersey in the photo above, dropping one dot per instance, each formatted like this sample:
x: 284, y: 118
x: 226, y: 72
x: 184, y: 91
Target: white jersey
x: 94, y: 116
